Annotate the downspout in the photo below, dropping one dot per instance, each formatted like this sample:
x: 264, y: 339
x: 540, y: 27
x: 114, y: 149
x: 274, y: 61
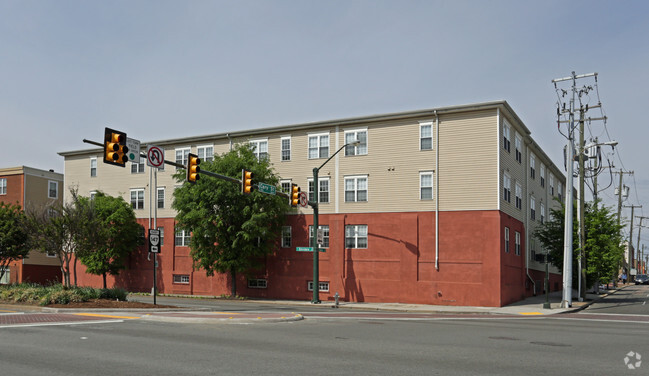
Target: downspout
x: 436, y: 191
x: 229, y: 139
x: 527, y: 220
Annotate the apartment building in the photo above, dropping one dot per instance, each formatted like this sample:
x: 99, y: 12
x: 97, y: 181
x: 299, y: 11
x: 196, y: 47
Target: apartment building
x: 32, y: 189
x: 434, y: 206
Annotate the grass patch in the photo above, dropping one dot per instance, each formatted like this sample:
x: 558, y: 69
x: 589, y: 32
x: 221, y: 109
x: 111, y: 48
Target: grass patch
x: 28, y: 293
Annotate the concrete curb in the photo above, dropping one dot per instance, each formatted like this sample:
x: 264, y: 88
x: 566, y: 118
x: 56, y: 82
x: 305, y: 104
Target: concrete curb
x: 222, y: 320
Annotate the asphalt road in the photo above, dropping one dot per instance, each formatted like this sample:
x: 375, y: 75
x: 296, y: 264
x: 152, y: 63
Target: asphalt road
x: 632, y: 300
x: 379, y: 345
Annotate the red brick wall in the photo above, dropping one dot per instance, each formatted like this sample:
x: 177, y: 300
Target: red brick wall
x: 15, y: 189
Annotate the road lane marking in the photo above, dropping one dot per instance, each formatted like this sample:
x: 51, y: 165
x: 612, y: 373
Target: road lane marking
x: 529, y: 313
x: 60, y: 323
x: 107, y: 316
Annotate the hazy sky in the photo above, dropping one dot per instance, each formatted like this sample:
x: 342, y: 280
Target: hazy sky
x: 166, y: 69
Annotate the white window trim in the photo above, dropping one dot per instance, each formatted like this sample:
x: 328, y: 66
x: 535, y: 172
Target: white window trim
x: 356, y: 236
x: 256, y: 142
x: 199, y: 147
x: 136, y: 198
x: 290, y: 232
x: 507, y: 134
x: 323, y: 286
x: 310, y: 180
x: 93, y: 159
x: 157, y: 198
x: 318, y: 135
x: 257, y: 283
x: 281, y: 148
x: 432, y: 184
x: 3, y: 186
x: 56, y: 183
x: 355, y: 177
x: 285, y: 181
x: 432, y: 140
x: 517, y: 244
x: 507, y: 241
x: 507, y: 179
x: 327, y: 236
x: 348, y: 131
x: 184, y: 160
x: 182, y: 279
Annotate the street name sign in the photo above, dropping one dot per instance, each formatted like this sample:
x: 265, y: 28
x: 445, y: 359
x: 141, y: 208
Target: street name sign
x: 307, y: 249
x: 267, y: 189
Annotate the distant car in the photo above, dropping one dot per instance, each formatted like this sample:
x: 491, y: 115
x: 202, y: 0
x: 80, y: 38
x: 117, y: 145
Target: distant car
x: 642, y: 279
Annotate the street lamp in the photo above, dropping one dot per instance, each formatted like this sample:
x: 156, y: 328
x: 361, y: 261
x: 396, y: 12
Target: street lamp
x: 314, y: 205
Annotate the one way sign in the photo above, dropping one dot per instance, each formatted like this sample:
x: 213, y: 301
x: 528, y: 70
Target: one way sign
x: 154, y: 240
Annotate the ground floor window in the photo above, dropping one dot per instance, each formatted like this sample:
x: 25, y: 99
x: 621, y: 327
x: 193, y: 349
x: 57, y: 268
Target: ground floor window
x: 181, y: 278
x: 5, y: 277
x: 182, y: 238
x: 257, y: 283
x: 356, y: 236
x: 324, y: 286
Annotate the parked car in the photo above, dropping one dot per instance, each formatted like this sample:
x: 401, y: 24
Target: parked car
x: 642, y: 279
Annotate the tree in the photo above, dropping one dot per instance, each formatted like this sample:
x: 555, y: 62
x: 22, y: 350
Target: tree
x: 63, y: 230
x: 115, y: 236
x: 13, y: 235
x: 230, y: 231
x: 603, y: 246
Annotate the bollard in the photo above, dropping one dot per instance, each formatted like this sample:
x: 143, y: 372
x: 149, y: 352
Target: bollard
x: 336, y: 297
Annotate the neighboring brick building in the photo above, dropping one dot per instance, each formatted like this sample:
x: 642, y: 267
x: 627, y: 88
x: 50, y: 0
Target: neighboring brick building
x: 32, y: 188
x: 435, y: 206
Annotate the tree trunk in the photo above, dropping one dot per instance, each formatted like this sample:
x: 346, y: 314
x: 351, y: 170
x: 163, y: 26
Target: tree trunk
x: 74, y: 267
x: 233, y: 275
x: 104, y: 275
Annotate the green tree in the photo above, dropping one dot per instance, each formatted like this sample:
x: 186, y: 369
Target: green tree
x: 231, y: 232
x: 116, y: 235
x: 603, y: 247
x: 13, y: 235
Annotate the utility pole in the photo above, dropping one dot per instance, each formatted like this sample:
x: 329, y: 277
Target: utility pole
x: 639, y: 229
x: 566, y: 301
x: 581, y: 260
x: 620, y: 193
x: 631, y: 254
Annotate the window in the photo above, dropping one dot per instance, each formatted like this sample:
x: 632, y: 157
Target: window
x: 93, y: 167
x: 506, y: 136
x: 161, y: 198
x: 325, y: 235
x: 323, y: 190
x: 286, y: 236
x: 257, y: 283
x: 356, y: 236
x: 426, y: 136
x: 519, y: 197
x: 286, y: 148
x: 533, y: 208
x: 551, y: 184
x: 181, y: 157
x: 560, y: 191
x: 286, y: 186
x: 181, y: 278
x: 532, y: 166
x: 356, y: 188
x: 182, y: 238
x: 93, y: 194
x: 542, y: 213
x: 517, y: 248
x: 507, y: 187
x: 205, y: 153
x: 425, y: 185
x: 3, y: 186
x: 506, y: 239
x: 322, y: 286
x: 351, y: 136
x: 137, y: 168
x: 53, y: 189
x: 519, y: 149
x: 162, y: 236
x: 137, y: 198
x: 532, y: 249
x: 319, y: 146
x: 542, y: 174
x: 260, y: 148
x: 5, y: 280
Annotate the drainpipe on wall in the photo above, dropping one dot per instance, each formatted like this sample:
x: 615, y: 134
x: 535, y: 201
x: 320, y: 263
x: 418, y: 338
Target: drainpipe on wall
x: 527, y: 219
x: 229, y: 139
x: 436, y: 191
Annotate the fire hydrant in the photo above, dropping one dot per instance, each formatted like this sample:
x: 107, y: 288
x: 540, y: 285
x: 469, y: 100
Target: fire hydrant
x: 336, y: 298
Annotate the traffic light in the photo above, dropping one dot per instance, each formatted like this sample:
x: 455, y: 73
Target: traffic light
x: 193, y: 167
x: 247, y: 182
x: 295, y: 195
x: 115, y: 148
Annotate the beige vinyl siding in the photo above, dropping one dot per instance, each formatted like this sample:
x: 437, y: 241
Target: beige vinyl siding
x: 517, y: 171
x: 40, y: 258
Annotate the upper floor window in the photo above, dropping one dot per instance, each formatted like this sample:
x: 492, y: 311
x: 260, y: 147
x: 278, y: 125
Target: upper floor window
x: 323, y: 197
x: 542, y: 174
x: 260, y: 148
x: 532, y: 166
x: 519, y: 149
x: 542, y: 213
x: 182, y: 238
x: 560, y: 191
x: 3, y: 186
x: 426, y: 136
x: 533, y: 208
x: 519, y: 196
x: 137, y: 168
x: 286, y: 186
x: 506, y: 136
x: 205, y: 153
x: 181, y: 156
x: 356, y: 188
x: 517, y: 248
x: 286, y: 148
x: 93, y: 167
x: 137, y: 198
x: 507, y: 187
x: 551, y: 178
x: 425, y: 185
x: 319, y: 146
x: 161, y: 198
x: 356, y: 236
x: 352, y: 136
x: 506, y: 239
x: 53, y: 189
